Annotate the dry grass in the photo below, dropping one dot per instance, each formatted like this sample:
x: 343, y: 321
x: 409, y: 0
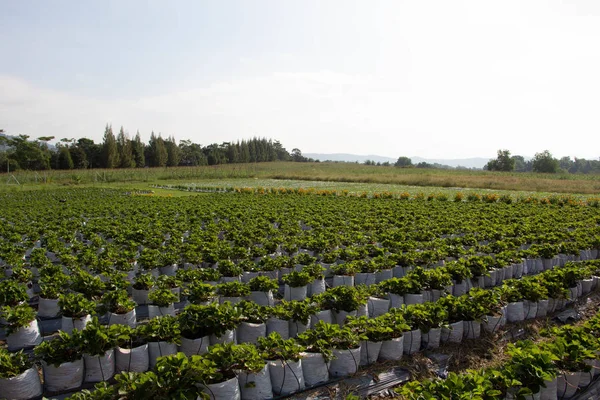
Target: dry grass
x: 326, y: 172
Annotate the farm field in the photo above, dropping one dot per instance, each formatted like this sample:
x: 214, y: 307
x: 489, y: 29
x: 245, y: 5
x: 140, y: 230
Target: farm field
x: 333, y: 173
x: 243, y: 295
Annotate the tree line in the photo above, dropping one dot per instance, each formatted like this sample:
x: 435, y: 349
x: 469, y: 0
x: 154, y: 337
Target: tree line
x: 543, y: 162
x: 122, y: 151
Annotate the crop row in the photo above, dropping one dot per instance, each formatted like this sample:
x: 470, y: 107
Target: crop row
x: 388, y: 336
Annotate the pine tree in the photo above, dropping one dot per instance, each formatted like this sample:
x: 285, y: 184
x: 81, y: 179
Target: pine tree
x: 111, y: 154
x: 137, y: 149
x: 124, y: 149
x: 173, y: 152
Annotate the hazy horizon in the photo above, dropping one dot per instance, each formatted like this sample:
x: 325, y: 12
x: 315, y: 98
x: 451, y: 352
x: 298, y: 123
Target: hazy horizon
x: 432, y: 79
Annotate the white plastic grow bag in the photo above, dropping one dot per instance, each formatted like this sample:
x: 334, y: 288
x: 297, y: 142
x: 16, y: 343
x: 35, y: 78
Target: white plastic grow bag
x: 396, y: 300
x: 228, y: 390
x: 192, y: 347
x: 364, y: 278
x: 392, y: 350
x: 431, y: 339
x: 323, y: 315
x: 128, y: 319
x: 530, y: 309
x: 493, y: 323
x: 22, y: 387
x: 140, y: 296
x: 377, y: 306
x: 412, y: 298
x: 136, y: 359
x: 340, y: 316
x: 316, y: 287
x: 567, y: 384
x: 453, y: 334
x: 344, y: 362
x: 160, y: 349
x: 298, y: 327
x: 515, y: 312
x: 256, y: 386
x: 314, y: 368
x: 262, y: 298
x: 227, y: 337
x: 383, y: 275
x: 550, y: 391
x: 248, y: 332
x: 68, y: 324
x: 343, y: 280
x: 99, y: 368
x: 280, y: 326
x: 412, y: 341
x: 369, y: 352
x: 286, y: 376
x: 156, y: 311
x: 295, y: 293
x: 66, y: 376
x: 48, y: 308
x: 25, y: 336
x: 472, y: 329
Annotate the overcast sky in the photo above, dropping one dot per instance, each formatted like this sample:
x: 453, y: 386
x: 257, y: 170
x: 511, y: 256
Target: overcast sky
x: 445, y: 79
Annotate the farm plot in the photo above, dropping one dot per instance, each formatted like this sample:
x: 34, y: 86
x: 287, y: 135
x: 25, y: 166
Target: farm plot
x: 239, y: 295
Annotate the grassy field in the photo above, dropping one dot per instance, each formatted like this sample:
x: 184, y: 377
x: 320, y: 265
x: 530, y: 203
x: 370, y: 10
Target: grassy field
x: 355, y: 175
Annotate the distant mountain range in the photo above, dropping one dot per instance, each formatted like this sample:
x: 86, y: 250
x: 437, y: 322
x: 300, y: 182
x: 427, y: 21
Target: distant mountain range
x: 477, y: 162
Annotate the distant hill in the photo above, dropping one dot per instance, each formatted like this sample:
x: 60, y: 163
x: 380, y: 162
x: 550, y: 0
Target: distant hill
x: 477, y: 162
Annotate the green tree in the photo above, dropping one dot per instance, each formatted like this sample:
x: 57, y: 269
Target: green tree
x: 403, y: 162
x: 137, y: 149
x: 504, y: 162
x: 125, y: 151
x: 110, y: 150
x: 544, y: 162
x: 157, y: 151
x: 30, y: 155
x: 173, y: 153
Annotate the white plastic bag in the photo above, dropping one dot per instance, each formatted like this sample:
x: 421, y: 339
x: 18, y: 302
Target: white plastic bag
x: 280, y: 326
x: 297, y: 327
x: 530, y: 309
x: 227, y: 337
x: 364, y: 278
x: 316, y: 287
x: 160, y: 349
x: 340, y: 316
x: 323, y: 315
x: 140, y: 296
x: 314, y: 368
x: 342, y: 280
x: 48, y: 308
x: 453, y: 334
x: 412, y: 341
x: 515, y: 312
x: 256, y: 386
x: 68, y: 323
x: 248, y: 332
x: 550, y: 391
x: 295, y: 293
x: 396, y: 300
x: 286, y: 377
x: 99, y: 368
x: 193, y: 347
x: 132, y: 360
x: 392, y: 350
x: 262, y: 298
x: 472, y: 329
x: 344, y: 362
x: 413, y: 298
x: 228, y: 390
x: 377, y: 306
x: 22, y: 387
x: 25, y: 336
x: 431, y: 339
x: 156, y: 311
x: 369, y: 352
x: 567, y: 384
x: 128, y: 319
x: 66, y: 376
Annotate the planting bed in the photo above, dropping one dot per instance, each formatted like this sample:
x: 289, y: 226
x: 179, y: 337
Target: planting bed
x: 268, y: 294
